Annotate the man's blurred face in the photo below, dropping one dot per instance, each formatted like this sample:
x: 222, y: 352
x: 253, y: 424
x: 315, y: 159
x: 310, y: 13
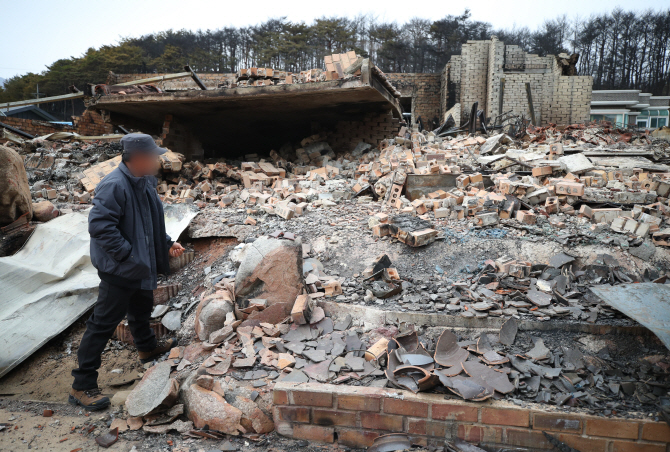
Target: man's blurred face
x: 144, y: 164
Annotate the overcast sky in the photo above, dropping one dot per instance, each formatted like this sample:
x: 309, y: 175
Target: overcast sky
x: 38, y: 32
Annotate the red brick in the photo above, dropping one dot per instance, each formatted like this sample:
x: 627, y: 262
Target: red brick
x: 332, y: 417
x: 629, y: 446
x: 357, y: 439
x: 405, y: 407
x: 527, y: 438
x: 382, y: 422
x: 323, y: 399
x: 293, y: 414
x: 557, y: 422
x: 656, y: 431
x: 429, y: 428
x: 501, y: 416
x: 442, y: 411
x: 314, y: 433
x: 612, y: 428
x: 583, y: 444
x: 280, y: 397
x: 478, y: 434
x: 358, y: 402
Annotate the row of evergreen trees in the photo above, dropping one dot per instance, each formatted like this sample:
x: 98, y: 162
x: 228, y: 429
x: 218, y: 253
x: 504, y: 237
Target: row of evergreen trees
x: 621, y: 49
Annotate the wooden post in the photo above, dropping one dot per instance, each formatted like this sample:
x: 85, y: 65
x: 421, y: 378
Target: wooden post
x: 502, y: 95
x: 533, y: 120
x: 195, y: 77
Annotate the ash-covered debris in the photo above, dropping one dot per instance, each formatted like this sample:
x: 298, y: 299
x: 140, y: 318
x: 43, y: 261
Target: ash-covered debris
x: 424, y: 224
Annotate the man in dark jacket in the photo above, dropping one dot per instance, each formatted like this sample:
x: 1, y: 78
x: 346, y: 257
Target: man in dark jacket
x: 129, y: 248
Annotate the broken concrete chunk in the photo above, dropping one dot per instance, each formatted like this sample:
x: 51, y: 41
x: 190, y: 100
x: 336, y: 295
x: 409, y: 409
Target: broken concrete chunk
x: 151, y: 391
x: 271, y: 269
x: 208, y: 409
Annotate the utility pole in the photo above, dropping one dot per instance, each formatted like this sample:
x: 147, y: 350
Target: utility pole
x: 38, y: 94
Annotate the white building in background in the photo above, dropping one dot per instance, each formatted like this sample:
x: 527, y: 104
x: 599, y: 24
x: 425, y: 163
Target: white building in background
x: 629, y: 108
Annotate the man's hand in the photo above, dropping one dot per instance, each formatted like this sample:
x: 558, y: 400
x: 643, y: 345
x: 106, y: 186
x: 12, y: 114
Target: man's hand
x: 176, y: 250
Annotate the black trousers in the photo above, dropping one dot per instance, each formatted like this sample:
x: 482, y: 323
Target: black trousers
x: 114, y: 303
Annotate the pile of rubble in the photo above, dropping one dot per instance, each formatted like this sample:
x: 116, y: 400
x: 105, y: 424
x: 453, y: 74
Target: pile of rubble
x: 261, y: 319
x: 338, y: 66
x: 558, y: 185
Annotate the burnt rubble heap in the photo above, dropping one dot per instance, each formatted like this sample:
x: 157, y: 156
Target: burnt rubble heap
x: 268, y: 310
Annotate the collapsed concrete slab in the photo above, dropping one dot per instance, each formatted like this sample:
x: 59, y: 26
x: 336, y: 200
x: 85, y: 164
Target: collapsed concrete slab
x: 207, y: 123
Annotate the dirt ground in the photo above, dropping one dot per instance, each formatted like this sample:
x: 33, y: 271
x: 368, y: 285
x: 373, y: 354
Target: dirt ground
x: 73, y: 429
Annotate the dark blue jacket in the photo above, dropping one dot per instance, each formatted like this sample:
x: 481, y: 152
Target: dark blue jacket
x: 129, y: 245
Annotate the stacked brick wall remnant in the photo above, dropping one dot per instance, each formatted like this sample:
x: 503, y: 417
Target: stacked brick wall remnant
x: 572, y: 100
x: 34, y: 127
x: 556, y: 98
x: 425, y: 90
x: 177, y: 137
x: 371, y: 129
x: 355, y: 415
x: 91, y: 123
x: 474, y: 75
x: 495, y: 71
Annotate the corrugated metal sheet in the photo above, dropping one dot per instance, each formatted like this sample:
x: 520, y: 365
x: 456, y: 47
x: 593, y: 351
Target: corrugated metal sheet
x: 647, y: 303
x: 50, y: 282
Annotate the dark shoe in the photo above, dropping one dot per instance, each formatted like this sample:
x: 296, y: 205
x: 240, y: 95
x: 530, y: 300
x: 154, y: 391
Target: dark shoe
x: 163, y: 346
x: 91, y: 399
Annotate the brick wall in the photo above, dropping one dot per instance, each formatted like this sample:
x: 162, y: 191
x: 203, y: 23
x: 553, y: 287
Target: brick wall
x: 572, y: 100
x: 178, y: 138
x: 477, y: 74
x: 425, y: 90
x: 35, y: 127
x: 659, y: 102
x: 372, y: 129
x: 354, y: 416
x: 631, y: 95
x: 91, y: 123
x: 474, y: 76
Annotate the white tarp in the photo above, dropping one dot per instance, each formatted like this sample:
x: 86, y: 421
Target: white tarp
x: 50, y: 282
x: 45, y: 287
